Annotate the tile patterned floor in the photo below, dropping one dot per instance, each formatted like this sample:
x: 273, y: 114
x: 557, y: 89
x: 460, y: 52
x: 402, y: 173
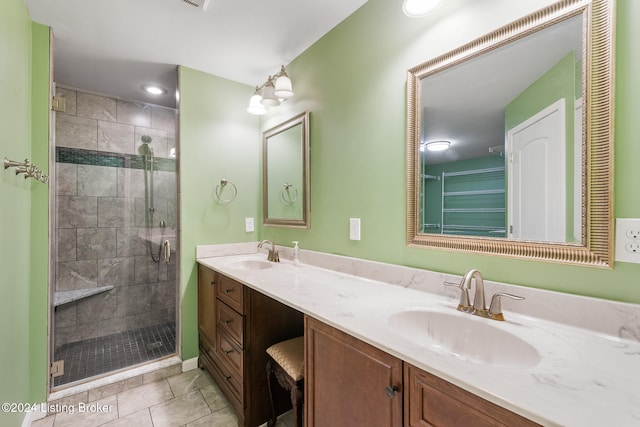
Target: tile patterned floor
x: 166, y: 397
x: 84, y: 359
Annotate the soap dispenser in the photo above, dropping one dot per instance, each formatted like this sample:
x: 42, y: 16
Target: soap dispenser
x: 296, y: 253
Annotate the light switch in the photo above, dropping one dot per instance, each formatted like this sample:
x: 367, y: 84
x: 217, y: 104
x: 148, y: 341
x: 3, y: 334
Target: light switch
x: 354, y: 228
x: 248, y: 225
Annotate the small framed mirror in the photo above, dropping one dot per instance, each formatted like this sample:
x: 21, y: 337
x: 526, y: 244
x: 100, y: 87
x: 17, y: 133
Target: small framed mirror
x: 285, y: 174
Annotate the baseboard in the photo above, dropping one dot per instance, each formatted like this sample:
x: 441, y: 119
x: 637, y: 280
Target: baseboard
x: 35, y: 415
x: 189, y: 364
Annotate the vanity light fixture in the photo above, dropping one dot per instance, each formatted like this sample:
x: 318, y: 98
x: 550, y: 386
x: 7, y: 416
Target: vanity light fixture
x: 417, y: 8
x: 271, y: 93
x: 153, y: 89
x: 437, y: 145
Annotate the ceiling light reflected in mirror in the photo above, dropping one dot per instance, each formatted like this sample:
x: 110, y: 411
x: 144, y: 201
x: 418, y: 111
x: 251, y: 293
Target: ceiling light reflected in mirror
x: 436, y: 146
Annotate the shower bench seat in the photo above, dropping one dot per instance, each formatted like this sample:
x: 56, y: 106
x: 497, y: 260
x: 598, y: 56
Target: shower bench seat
x: 65, y: 297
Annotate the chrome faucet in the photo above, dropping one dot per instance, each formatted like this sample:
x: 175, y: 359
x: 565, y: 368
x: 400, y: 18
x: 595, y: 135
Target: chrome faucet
x: 273, y: 253
x: 479, y: 307
x: 479, y: 304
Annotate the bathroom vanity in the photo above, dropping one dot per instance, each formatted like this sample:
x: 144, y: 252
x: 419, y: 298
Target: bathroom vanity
x: 236, y: 325
x: 349, y: 382
x: 369, y: 359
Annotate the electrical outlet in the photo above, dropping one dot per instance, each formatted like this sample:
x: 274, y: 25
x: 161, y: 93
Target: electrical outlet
x: 354, y: 228
x: 628, y: 240
x: 632, y: 247
x: 632, y: 233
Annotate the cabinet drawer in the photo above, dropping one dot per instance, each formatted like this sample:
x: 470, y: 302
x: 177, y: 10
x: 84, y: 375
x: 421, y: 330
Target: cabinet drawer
x: 231, y: 322
x: 432, y: 401
x: 231, y: 292
x: 229, y: 352
x: 230, y: 382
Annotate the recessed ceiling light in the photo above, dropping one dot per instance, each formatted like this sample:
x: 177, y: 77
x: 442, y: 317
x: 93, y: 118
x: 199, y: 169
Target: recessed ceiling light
x: 415, y: 8
x: 154, y: 89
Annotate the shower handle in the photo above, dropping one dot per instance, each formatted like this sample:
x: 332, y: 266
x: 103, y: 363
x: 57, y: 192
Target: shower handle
x: 166, y: 249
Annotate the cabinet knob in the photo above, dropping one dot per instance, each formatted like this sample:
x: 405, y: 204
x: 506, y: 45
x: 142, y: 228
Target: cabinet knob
x: 226, y: 322
x: 228, y: 291
x: 228, y: 378
x: 228, y: 351
x: 390, y: 391
x: 213, y: 282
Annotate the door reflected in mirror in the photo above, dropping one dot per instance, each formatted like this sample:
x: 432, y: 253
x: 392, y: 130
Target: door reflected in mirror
x: 286, y: 173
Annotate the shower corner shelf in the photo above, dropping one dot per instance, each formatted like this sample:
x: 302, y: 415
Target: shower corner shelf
x: 65, y: 297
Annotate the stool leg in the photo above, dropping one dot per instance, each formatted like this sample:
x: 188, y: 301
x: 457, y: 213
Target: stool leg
x: 296, y: 402
x: 272, y: 421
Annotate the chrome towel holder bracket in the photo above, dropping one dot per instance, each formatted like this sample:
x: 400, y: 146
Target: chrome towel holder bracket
x: 28, y: 169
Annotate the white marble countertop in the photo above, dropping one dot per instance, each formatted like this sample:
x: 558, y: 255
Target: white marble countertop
x: 584, y: 378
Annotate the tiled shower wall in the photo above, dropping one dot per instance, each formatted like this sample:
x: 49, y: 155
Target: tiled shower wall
x: 100, y: 219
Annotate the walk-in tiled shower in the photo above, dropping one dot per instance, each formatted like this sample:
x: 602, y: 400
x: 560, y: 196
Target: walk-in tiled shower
x: 115, y: 234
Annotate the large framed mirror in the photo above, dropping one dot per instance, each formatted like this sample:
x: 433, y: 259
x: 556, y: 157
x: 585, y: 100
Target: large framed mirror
x: 510, y: 140
x: 285, y: 174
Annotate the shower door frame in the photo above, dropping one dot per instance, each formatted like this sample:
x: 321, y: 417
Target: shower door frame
x: 52, y: 246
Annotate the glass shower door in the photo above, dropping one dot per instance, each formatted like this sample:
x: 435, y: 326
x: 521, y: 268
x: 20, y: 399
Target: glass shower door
x: 115, y: 235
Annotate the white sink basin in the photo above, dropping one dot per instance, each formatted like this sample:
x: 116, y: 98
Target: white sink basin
x: 465, y: 337
x: 251, y: 264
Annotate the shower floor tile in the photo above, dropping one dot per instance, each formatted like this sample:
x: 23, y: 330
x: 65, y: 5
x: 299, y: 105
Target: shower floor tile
x: 95, y: 356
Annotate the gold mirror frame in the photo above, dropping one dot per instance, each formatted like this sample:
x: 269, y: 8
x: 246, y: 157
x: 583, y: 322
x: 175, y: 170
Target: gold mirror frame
x: 598, y: 120
x: 305, y: 221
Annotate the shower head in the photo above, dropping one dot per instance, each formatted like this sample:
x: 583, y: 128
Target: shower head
x: 146, y: 139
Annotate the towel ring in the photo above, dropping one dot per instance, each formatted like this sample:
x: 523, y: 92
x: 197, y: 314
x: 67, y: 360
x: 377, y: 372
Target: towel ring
x: 285, y: 195
x: 220, y: 188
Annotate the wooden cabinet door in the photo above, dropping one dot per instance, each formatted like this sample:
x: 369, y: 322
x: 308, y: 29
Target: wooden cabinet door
x: 207, y: 304
x: 432, y: 401
x: 349, y: 382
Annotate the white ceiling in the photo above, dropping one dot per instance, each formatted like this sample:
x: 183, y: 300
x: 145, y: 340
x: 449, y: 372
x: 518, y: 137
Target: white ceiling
x: 115, y: 46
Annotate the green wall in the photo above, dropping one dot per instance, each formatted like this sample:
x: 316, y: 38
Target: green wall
x: 218, y: 139
x: 39, y: 239
x: 15, y: 137
x: 354, y: 80
x: 24, y: 87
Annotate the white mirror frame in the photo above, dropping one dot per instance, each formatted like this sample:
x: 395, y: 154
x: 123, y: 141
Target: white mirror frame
x: 598, y: 123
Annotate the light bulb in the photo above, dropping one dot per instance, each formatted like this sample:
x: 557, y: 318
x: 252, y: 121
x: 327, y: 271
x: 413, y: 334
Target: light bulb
x: 255, y: 107
x: 283, y: 87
